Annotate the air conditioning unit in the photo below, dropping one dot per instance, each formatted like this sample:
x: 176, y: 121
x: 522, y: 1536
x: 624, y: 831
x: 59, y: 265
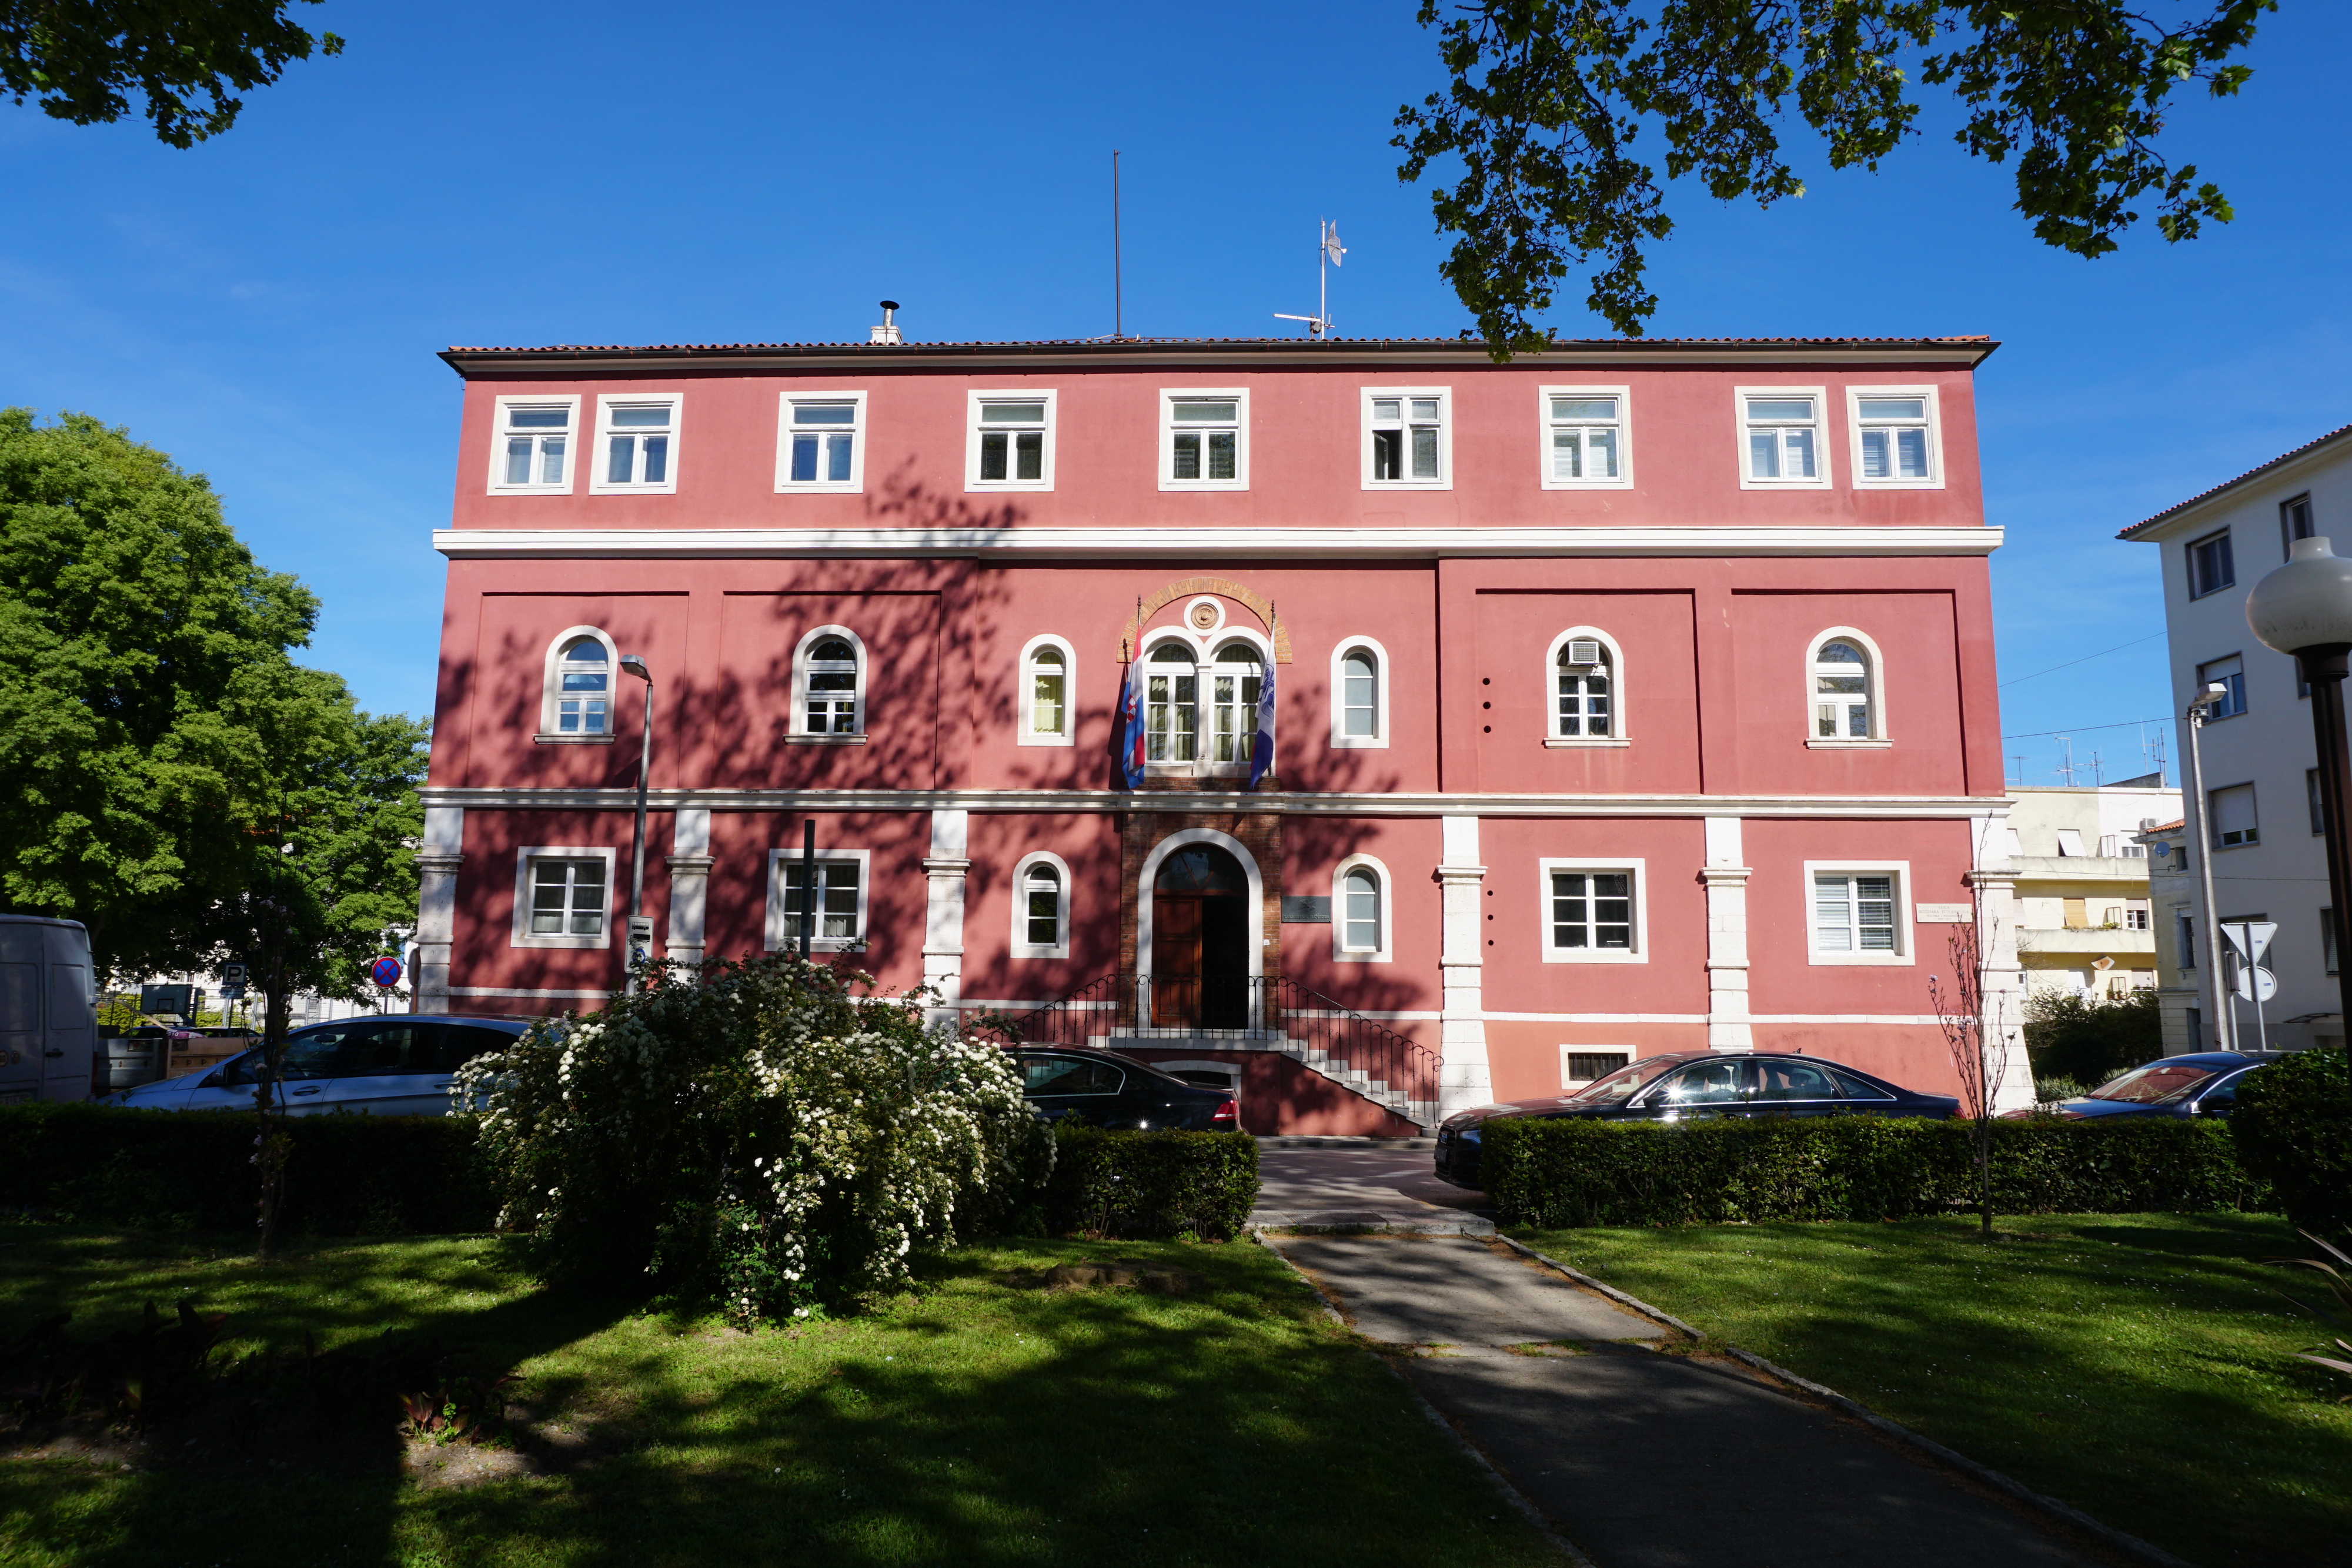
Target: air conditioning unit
x: 1584, y: 650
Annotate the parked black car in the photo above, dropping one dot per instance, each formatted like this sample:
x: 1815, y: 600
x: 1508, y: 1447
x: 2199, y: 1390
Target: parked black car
x: 384, y: 1064
x: 1696, y: 1086
x: 1119, y: 1091
x: 2202, y: 1083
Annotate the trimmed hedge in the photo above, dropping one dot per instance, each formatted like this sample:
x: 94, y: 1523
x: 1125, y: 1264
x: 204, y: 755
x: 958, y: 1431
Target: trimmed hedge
x: 2293, y: 1130
x: 365, y: 1175
x: 1567, y: 1173
x: 1144, y: 1184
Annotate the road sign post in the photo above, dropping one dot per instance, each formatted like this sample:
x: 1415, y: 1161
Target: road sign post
x: 2249, y: 941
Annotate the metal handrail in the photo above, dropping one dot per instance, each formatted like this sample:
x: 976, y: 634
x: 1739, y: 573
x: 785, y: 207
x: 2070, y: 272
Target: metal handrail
x: 1255, y: 1007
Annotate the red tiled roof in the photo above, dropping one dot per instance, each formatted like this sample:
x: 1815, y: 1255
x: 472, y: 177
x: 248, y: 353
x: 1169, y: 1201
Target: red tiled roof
x: 2310, y: 446
x: 1239, y: 342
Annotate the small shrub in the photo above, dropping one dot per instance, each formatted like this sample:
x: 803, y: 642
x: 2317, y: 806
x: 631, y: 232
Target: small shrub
x: 1567, y: 1173
x: 1150, y: 1184
x: 2050, y: 1091
x: 775, y: 1137
x: 2091, y: 1038
x: 2293, y: 1130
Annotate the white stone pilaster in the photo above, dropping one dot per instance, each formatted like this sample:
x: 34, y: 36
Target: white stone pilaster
x: 1726, y: 876
x: 2002, y: 980
x: 437, y: 860
x: 947, y: 867
x: 690, y: 884
x: 1464, y: 1078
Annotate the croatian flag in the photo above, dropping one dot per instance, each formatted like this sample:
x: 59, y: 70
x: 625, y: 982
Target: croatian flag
x: 1130, y: 749
x: 1261, y: 744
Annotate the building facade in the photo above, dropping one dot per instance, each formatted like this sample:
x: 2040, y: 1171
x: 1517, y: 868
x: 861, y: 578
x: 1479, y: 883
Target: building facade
x: 2259, y: 821
x: 1634, y: 697
x: 2082, y: 892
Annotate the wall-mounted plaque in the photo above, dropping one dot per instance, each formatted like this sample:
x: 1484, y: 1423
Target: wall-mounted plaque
x: 1306, y: 911
x: 1947, y: 914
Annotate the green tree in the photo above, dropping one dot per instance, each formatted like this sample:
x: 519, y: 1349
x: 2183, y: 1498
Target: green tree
x: 1547, y: 98
x: 2088, y: 1039
x: 160, y: 751
x: 80, y: 59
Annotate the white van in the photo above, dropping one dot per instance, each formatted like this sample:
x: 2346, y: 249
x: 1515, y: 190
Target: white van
x: 48, y: 1011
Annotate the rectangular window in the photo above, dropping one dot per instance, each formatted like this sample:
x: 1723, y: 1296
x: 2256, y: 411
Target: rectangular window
x: 563, y: 897
x: 2233, y: 817
x: 2184, y: 933
x: 2210, y: 567
x: 2328, y: 940
x: 1170, y: 717
x: 532, y: 452
x: 1584, y: 1066
x: 1012, y: 441
x: 1893, y: 438
x: 1591, y: 909
x: 2294, y: 523
x: 1853, y: 912
x: 842, y: 878
x: 2230, y: 675
x: 1204, y: 440
x: 2070, y: 840
x: 2135, y: 917
x: 1408, y: 441
x: 820, y: 443
x: 1584, y: 437
x: 637, y: 439
x: 1780, y: 436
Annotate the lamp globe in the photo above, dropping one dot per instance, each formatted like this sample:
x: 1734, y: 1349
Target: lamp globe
x: 2306, y: 603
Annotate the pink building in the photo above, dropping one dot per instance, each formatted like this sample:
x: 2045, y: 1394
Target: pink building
x: 1634, y: 697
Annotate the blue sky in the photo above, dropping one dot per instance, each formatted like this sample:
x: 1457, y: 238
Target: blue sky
x: 265, y: 306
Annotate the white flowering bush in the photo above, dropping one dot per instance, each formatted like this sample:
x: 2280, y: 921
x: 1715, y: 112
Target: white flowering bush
x: 774, y: 1137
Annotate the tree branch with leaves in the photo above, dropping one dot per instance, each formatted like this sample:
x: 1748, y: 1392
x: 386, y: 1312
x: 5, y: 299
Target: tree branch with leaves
x: 1545, y: 99
x: 81, y: 59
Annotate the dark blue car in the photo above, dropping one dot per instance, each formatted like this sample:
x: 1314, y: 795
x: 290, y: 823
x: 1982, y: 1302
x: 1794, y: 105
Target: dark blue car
x: 2202, y: 1083
x: 1697, y: 1086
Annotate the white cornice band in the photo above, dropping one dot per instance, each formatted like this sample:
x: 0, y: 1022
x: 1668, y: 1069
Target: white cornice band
x: 1334, y: 804
x: 1219, y: 543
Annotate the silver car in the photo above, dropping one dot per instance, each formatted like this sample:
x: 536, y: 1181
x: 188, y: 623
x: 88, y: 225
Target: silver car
x: 396, y: 1064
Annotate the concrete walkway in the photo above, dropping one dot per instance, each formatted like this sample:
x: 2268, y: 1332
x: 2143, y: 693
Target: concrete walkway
x: 1641, y: 1459
x: 1355, y: 1188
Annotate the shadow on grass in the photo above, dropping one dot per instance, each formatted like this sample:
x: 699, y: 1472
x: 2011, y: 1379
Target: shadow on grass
x: 982, y: 1419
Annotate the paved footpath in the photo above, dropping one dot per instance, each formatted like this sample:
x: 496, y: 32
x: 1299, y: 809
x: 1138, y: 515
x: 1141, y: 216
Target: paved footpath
x: 1642, y: 1461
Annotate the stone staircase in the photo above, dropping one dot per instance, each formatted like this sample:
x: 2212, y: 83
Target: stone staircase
x: 1421, y: 1113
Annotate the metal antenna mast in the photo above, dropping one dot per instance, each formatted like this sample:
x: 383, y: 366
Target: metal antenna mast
x: 1328, y: 254
x: 1117, y: 281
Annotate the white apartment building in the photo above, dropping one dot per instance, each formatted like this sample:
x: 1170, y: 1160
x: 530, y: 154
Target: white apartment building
x: 2260, y: 819
x: 2085, y: 920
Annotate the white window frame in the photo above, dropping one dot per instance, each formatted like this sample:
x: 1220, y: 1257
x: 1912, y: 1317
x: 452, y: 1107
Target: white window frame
x: 1204, y: 649
x: 783, y: 934
x: 1168, y: 398
x: 551, y: 692
x: 1028, y: 735
x: 1877, y: 740
x: 1379, y: 739
x: 2213, y: 843
x: 788, y: 485
x: 1553, y: 739
x: 1822, y: 474
x: 522, y: 935
x: 1444, y: 480
x: 574, y: 439
x: 598, y: 484
x: 1636, y: 867
x: 1624, y: 396
x: 1568, y: 1049
x: 1935, y: 427
x: 973, y: 403
x: 1385, y: 950
x: 1021, y: 946
x: 1907, y: 942
x: 799, y: 734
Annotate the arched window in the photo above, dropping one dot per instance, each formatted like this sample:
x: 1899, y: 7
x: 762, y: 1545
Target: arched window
x: 1233, y: 694
x: 829, y: 685
x: 1041, y: 907
x: 1171, y: 705
x: 1047, y: 680
x: 1360, y: 697
x: 576, y: 696
x: 1359, y: 911
x: 1587, y: 688
x: 1844, y: 687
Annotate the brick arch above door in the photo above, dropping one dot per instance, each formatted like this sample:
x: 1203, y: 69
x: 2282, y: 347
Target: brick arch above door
x: 1224, y: 587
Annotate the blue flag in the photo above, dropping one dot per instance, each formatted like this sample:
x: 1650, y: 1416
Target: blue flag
x: 1130, y: 749
x: 1261, y: 743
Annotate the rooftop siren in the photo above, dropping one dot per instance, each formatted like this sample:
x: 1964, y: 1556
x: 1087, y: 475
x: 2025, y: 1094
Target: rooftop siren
x: 888, y: 331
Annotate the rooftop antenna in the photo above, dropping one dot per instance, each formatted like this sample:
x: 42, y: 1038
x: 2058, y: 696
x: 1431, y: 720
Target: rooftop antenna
x: 2018, y: 758
x: 2066, y: 769
x: 1117, y: 284
x: 1328, y: 254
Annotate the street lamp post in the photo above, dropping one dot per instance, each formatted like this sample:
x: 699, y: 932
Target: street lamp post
x: 2225, y: 1019
x: 641, y: 930
x: 2304, y: 608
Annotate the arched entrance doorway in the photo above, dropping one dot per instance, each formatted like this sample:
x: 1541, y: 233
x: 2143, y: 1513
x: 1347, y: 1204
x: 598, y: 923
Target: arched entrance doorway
x: 1200, y: 940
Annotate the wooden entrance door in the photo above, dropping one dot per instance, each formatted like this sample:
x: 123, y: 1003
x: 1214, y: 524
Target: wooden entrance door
x: 1176, y: 961
x: 1200, y: 942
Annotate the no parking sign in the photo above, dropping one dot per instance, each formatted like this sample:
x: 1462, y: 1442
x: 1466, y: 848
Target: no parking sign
x: 386, y: 972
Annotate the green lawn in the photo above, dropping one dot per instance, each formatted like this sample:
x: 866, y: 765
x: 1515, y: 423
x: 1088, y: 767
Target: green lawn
x: 2138, y: 1366
x: 980, y: 1420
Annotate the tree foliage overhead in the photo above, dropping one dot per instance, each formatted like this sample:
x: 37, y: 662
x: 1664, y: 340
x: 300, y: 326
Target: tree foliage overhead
x: 1548, y: 99
x: 81, y: 59
x: 160, y: 750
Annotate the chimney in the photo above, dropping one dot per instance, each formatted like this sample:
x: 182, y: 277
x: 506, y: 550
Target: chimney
x: 888, y: 331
